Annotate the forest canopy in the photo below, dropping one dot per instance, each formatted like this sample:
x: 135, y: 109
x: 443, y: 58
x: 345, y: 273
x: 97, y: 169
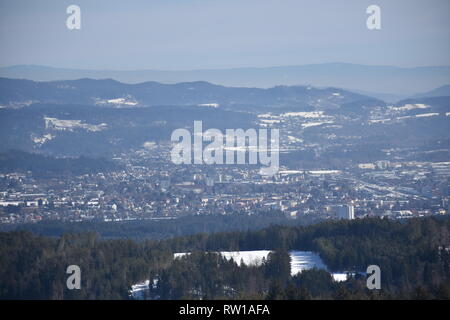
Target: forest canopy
x: 414, y: 258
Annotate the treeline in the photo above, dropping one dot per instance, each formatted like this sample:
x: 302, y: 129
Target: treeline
x: 42, y: 165
x: 412, y: 255
x: 34, y: 267
x: 203, y: 275
x: 414, y: 258
x: 164, y: 228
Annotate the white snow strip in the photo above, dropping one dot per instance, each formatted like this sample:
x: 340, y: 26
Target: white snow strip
x: 314, y: 124
x: 434, y: 114
x: 313, y: 114
x: 408, y: 107
x: 210, y: 105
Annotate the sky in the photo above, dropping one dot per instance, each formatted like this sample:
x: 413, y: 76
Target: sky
x: 220, y: 34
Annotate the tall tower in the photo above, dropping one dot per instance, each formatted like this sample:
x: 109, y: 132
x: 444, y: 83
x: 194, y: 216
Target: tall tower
x: 346, y: 212
x: 351, y: 212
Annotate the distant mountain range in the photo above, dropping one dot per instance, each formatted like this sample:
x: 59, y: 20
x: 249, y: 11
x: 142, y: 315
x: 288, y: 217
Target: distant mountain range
x: 17, y: 93
x: 106, y: 117
x: 443, y: 91
x: 384, y: 82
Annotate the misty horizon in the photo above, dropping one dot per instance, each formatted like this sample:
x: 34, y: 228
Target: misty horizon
x: 227, y: 68
x: 199, y: 34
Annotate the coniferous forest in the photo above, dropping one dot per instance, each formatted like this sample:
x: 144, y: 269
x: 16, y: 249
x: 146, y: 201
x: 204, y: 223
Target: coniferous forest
x: 413, y: 256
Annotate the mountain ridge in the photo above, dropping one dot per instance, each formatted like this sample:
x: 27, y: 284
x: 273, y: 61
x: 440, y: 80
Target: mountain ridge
x: 386, y: 79
x: 17, y: 92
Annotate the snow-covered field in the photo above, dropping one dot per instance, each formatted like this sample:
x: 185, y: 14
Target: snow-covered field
x: 311, y: 114
x: 433, y: 114
x: 305, y: 260
x: 408, y: 107
x: 294, y: 139
x: 127, y: 101
x: 210, y: 105
x: 320, y: 172
x: 315, y: 124
x: 43, y: 139
x: 70, y: 125
x: 123, y: 101
x: 300, y: 260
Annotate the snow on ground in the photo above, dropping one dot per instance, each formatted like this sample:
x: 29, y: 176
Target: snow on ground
x: 254, y: 257
x: 121, y: 101
x: 268, y: 116
x: 300, y: 260
x: 339, y: 277
x: 320, y: 172
x: 366, y: 166
x: 70, y: 125
x: 43, y: 139
x: 248, y: 258
x: 291, y: 171
x: 180, y: 254
x: 270, y: 121
x: 127, y: 101
x: 305, y: 260
x: 294, y: 139
x: 137, y: 290
x: 431, y: 114
x: 434, y: 114
x: 408, y: 107
x: 312, y: 114
x: 10, y: 203
x: 379, y: 120
x: 315, y: 124
x: 210, y: 105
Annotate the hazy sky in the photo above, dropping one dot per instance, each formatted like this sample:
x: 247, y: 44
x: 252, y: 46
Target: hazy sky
x: 199, y: 34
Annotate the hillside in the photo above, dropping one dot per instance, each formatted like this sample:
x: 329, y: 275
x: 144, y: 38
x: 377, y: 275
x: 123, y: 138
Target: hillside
x: 371, y: 78
x: 116, y: 94
x: 412, y: 256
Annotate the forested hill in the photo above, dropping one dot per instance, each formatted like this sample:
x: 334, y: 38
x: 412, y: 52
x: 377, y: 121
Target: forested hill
x: 42, y: 165
x: 413, y: 256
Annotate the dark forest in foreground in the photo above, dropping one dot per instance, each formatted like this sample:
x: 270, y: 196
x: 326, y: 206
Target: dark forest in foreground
x: 413, y: 256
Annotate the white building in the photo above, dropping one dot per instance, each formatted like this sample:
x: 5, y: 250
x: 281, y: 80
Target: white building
x: 345, y: 212
x: 382, y: 164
